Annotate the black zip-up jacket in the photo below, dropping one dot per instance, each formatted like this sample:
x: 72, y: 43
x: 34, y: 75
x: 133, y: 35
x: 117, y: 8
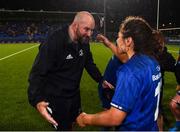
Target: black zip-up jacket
x: 58, y: 68
x: 167, y: 63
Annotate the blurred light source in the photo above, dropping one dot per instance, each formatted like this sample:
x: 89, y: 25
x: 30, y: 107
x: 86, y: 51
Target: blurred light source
x: 101, y: 21
x: 112, y: 21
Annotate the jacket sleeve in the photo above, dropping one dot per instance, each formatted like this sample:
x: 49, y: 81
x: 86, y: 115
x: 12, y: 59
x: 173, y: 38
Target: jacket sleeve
x: 44, y: 60
x: 91, y: 67
x: 167, y: 61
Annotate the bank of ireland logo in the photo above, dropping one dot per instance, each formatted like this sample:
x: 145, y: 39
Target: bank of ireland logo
x: 158, y: 68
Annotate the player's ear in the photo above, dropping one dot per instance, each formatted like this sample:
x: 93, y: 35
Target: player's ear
x: 129, y: 41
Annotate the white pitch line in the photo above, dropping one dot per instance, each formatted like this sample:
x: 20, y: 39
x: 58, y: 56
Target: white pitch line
x: 17, y: 52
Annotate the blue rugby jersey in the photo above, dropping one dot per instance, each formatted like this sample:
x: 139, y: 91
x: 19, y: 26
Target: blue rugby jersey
x: 137, y: 93
x: 110, y: 72
x: 105, y: 95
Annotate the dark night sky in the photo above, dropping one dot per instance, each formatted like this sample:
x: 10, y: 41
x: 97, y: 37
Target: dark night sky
x: 117, y: 10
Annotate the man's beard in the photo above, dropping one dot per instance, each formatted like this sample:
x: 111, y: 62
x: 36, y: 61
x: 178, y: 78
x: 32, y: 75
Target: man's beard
x: 82, y: 39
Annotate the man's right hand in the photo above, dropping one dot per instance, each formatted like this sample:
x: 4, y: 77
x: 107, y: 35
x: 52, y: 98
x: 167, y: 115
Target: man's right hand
x: 42, y: 108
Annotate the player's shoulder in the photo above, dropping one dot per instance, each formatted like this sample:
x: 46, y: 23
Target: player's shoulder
x: 139, y: 64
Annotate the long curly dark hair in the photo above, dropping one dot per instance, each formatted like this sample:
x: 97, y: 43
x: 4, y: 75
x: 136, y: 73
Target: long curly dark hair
x: 146, y: 40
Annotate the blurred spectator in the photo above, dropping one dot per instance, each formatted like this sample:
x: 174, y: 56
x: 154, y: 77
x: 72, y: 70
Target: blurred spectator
x: 18, y: 31
x: 175, y: 102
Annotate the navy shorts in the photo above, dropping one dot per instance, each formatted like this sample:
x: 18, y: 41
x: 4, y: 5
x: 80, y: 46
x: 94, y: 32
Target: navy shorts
x: 65, y: 111
x: 105, y: 95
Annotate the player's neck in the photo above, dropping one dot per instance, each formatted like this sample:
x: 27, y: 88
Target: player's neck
x: 130, y: 53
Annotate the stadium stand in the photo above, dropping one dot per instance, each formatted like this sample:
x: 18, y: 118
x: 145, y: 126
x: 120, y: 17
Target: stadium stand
x: 15, y: 32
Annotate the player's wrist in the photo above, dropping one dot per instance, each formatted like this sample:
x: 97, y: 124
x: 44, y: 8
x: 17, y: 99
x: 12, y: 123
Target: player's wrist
x: 109, y: 44
x: 87, y: 119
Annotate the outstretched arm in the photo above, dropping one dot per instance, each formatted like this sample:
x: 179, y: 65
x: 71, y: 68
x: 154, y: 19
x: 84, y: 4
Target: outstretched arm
x: 122, y: 57
x: 111, y: 117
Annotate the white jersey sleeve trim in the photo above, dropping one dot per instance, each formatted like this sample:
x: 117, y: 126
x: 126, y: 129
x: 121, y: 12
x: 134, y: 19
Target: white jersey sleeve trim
x: 116, y: 106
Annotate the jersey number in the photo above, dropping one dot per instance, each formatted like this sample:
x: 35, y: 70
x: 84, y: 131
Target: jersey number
x: 157, y: 94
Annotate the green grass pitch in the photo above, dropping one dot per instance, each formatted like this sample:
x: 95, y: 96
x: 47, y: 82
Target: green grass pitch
x: 15, y: 111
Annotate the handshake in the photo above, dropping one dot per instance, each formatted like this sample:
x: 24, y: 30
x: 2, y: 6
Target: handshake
x: 82, y: 119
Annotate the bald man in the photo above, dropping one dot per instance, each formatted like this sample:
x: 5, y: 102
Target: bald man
x: 56, y: 73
